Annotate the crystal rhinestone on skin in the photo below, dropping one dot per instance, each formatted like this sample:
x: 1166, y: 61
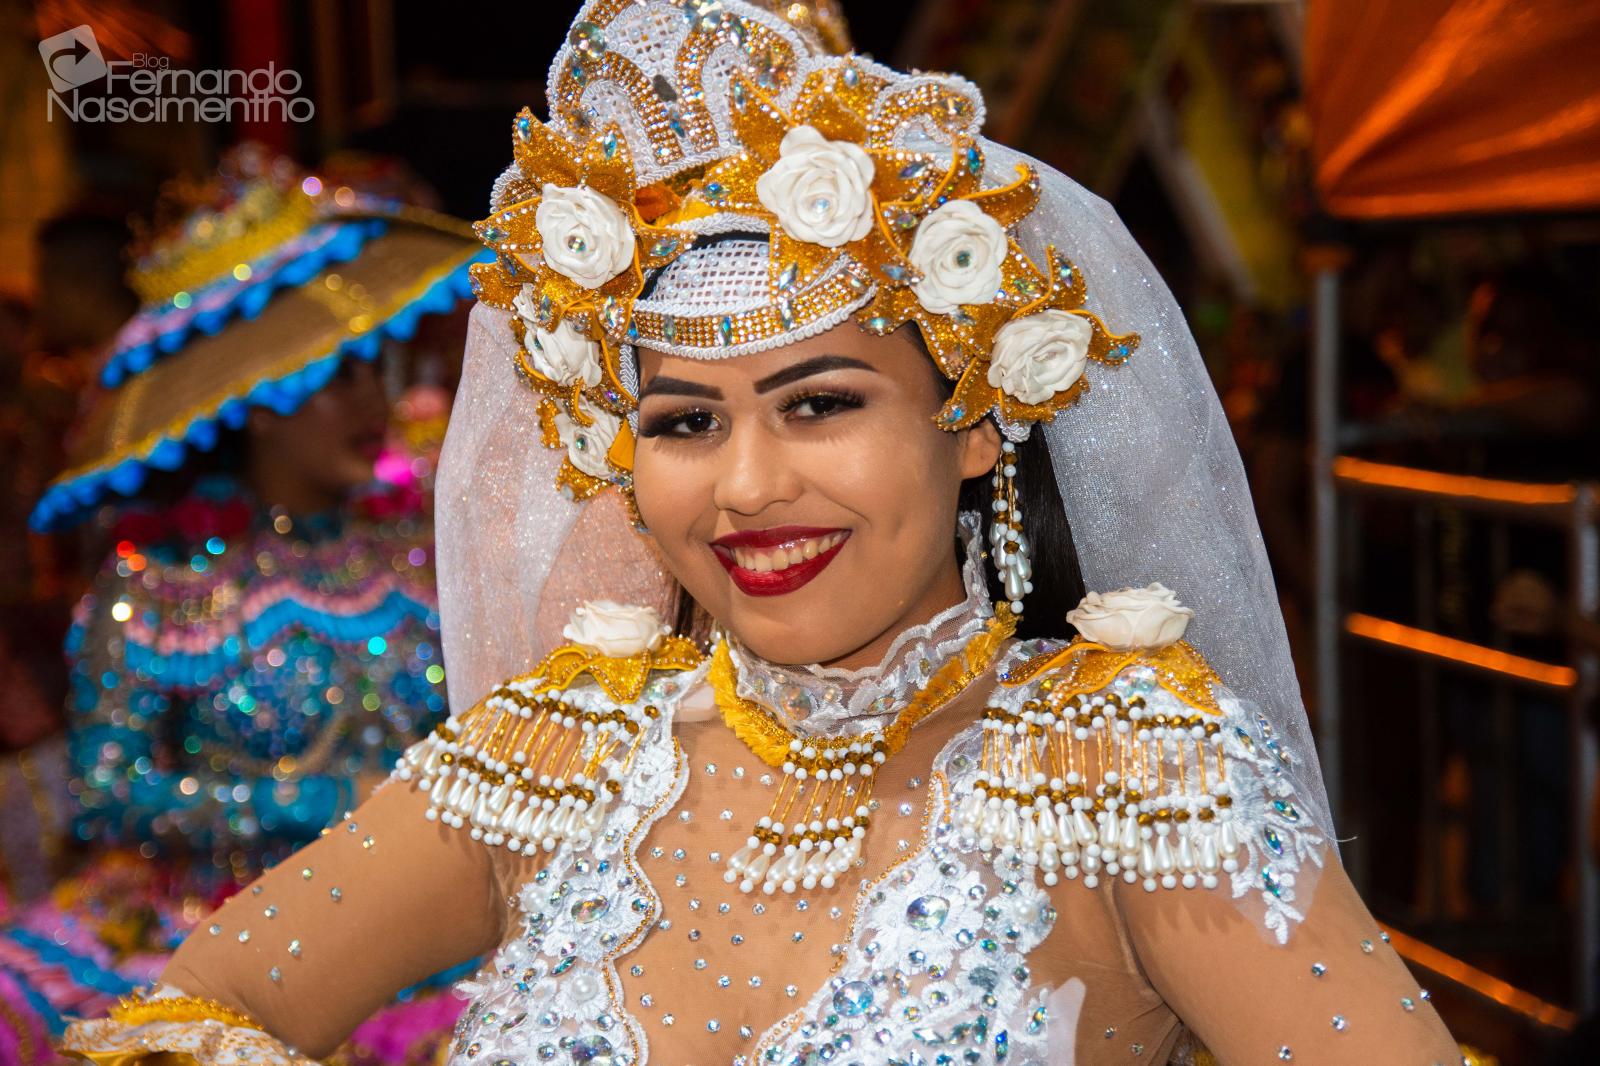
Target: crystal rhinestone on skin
x: 1318, y: 969
x: 215, y: 930
x: 853, y: 998
x: 1285, y: 1053
x: 294, y: 948
x: 244, y: 936
x: 275, y: 974
x: 1366, y: 947
x: 1339, y: 1023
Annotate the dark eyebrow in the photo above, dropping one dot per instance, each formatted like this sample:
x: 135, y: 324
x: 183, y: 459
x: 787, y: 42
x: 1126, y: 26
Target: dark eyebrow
x: 679, y: 387
x: 818, y: 365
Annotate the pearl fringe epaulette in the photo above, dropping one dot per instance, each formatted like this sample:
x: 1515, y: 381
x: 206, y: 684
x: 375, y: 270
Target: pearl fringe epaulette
x: 1098, y: 785
x: 528, y: 770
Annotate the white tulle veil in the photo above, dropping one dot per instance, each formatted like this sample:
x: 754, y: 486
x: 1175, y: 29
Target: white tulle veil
x: 1146, y: 464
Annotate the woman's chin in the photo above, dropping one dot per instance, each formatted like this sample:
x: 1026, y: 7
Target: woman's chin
x: 789, y: 644
x: 801, y: 630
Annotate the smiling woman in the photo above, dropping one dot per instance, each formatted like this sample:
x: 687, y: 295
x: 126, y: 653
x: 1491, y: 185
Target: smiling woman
x: 763, y: 482
x: 832, y: 352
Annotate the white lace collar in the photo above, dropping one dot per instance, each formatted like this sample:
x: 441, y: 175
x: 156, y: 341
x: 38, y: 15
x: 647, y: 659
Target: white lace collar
x: 820, y: 700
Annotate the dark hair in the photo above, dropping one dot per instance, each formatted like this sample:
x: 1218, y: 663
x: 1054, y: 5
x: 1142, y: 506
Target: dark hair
x: 1057, y: 579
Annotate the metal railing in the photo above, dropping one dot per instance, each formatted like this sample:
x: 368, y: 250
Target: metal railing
x: 1339, y: 484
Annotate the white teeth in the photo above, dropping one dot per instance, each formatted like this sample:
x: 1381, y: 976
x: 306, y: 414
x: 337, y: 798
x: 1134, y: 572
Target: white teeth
x: 764, y: 561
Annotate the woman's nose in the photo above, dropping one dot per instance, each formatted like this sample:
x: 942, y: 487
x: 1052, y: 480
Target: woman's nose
x: 755, y: 473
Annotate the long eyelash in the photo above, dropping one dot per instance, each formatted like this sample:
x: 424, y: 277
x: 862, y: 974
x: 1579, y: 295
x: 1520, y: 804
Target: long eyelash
x: 661, y: 425
x: 846, y: 398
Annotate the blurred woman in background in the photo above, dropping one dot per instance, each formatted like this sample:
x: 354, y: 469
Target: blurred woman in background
x: 262, y: 640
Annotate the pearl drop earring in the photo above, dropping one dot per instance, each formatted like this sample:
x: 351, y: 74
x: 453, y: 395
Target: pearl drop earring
x: 1008, y: 545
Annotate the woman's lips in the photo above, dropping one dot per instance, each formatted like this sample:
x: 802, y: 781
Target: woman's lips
x: 771, y: 562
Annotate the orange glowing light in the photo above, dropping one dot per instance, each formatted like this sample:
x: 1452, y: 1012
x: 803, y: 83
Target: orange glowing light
x: 1487, y: 985
x: 1442, y: 647
x: 1386, y: 475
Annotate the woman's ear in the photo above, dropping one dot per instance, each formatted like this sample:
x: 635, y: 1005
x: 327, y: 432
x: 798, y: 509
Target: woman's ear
x: 980, y: 448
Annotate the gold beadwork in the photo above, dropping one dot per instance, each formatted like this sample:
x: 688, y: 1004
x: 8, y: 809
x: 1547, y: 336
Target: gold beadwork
x: 1084, y: 666
x: 769, y: 739
x: 622, y: 678
x: 835, y: 774
x: 139, y: 1010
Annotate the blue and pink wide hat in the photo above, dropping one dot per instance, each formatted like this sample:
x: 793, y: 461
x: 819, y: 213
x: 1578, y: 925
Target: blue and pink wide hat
x: 263, y: 283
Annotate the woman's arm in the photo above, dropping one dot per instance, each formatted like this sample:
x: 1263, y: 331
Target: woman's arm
x: 1335, y: 993
x: 320, y: 942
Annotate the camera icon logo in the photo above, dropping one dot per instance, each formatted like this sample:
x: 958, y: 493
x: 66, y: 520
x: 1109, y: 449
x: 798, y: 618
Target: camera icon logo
x: 73, y: 58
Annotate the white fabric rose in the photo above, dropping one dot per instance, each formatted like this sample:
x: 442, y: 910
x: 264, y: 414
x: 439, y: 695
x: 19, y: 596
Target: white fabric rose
x: 958, y: 250
x: 615, y: 630
x: 586, y: 236
x: 564, y: 355
x: 821, y: 190
x: 1039, y: 355
x: 1130, y: 619
x: 587, y: 445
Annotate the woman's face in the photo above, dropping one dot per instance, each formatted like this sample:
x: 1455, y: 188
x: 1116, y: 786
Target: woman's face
x: 804, y: 496
x: 328, y: 446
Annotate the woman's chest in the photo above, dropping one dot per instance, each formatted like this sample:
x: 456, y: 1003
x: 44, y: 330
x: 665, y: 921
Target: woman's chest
x: 644, y: 949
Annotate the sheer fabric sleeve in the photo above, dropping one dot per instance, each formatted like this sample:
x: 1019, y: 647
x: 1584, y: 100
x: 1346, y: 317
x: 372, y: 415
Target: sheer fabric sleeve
x: 317, y: 944
x: 1335, y: 993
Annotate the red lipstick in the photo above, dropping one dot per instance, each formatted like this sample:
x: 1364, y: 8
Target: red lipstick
x: 775, y: 582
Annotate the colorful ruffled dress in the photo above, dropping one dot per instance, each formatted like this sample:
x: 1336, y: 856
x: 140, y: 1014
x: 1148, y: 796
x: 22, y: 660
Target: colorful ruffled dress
x: 239, y: 677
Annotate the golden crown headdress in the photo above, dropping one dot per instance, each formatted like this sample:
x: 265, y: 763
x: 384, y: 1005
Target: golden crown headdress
x: 673, y: 120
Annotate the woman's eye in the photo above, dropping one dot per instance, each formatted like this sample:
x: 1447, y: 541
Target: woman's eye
x: 679, y: 424
x: 821, y: 404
